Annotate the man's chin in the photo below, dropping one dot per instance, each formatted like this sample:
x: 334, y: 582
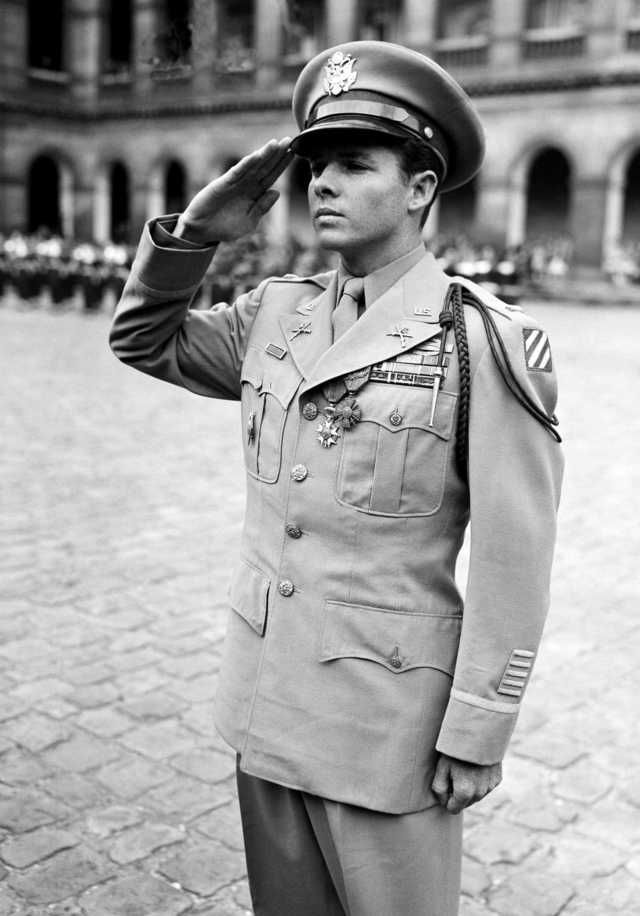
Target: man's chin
x: 332, y: 240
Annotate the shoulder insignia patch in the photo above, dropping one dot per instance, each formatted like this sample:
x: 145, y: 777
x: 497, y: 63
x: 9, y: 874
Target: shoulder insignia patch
x: 537, y: 350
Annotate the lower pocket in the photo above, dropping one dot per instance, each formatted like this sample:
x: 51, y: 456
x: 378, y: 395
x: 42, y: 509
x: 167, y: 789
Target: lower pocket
x: 396, y: 640
x: 249, y: 594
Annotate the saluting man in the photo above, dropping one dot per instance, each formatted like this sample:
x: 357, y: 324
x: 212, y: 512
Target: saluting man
x: 384, y: 407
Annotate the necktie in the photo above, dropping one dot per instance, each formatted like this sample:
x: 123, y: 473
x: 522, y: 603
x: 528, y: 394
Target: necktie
x: 346, y: 311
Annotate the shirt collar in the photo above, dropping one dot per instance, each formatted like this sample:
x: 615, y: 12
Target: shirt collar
x: 382, y: 279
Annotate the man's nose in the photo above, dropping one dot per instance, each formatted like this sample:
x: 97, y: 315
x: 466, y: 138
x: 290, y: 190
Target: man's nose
x: 324, y: 183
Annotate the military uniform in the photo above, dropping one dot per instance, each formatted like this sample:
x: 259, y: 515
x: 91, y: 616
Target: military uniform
x: 350, y: 659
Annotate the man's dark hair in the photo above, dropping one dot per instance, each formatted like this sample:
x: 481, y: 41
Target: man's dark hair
x: 415, y: 156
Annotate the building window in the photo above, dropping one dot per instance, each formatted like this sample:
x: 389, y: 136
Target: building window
x: 119, y: 36
x: 557, y: 14
x: 175, y: 187
x: 303, y: 25
x: 463, y: 29
x: 46, y: 34
x: 379, y: 20
x: 235, y: 35
x: 174, y: 40
x: 463, y: 18
x: 43, y: 192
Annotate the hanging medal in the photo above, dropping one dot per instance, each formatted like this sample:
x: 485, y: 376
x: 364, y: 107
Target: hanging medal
x: 343, y: 411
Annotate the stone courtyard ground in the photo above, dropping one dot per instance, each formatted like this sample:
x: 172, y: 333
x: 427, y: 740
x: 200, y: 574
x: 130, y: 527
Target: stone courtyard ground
x: 121, y: 505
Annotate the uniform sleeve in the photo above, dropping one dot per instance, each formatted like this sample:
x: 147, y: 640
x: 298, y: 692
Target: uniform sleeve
x: 515, y: 471
x: 155, y: 331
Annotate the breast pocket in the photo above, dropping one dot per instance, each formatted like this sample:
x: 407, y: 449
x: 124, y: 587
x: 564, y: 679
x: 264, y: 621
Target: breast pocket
x: 393, y: 462
x: 267, y: 391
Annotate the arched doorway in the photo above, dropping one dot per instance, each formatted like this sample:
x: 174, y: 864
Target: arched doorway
x: 631, y: 213
x: 457, y: 210
x: 548, y: 195
x: 175, y: 187
x: 119, y: 204
x: 44, y: 186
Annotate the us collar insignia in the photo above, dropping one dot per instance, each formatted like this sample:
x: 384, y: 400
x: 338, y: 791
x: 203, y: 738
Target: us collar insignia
x: 339, y: 73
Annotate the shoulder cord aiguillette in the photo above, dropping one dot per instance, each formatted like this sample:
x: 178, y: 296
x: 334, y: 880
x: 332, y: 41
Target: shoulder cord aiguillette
x: 453, y: 314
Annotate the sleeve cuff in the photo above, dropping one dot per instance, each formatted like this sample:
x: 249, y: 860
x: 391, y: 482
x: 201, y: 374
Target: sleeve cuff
x: 162, y: 234
x: 165, y: 267
x: 476, y: 729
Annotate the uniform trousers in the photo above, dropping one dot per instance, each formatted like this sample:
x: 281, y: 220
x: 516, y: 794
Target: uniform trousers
x: 309, y: 856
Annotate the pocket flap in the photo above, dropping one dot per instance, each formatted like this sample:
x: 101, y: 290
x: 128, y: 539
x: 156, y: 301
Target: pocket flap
x: 397, y: 408
x: 251, y: 370
x: 248, y: 595
x: 397, y: 640
x: 281, y: 379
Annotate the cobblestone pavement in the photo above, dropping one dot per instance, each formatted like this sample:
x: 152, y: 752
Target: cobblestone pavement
x: 121, y: 509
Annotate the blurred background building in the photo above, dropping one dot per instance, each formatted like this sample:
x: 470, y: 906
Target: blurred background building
x: 116, y: 110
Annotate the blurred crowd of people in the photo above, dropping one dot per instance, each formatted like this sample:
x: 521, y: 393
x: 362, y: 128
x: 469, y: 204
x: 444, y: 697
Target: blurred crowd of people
x: 47, y: 269
x: 622, y: 263
x: 44, y: 267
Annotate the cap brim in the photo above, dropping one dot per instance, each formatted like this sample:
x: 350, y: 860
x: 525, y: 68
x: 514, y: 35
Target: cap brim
x: 303, y: 143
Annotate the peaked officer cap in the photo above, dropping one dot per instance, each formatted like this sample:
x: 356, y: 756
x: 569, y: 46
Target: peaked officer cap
x: 379, y: 86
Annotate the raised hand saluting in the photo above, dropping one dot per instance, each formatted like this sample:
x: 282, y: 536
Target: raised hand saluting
x: 233, y: 204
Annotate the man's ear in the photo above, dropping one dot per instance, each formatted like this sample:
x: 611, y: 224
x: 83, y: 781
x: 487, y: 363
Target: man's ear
x: 422, y: 190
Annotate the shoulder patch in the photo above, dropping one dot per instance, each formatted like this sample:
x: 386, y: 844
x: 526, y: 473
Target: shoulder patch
x: 537, y: 350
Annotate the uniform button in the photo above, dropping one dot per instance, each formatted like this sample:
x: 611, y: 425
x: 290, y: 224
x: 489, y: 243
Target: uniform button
x: 396, y: 662
x: 293, y: 531
x: 310, y: 410
x: 299, y: 472
x: 285, y: 587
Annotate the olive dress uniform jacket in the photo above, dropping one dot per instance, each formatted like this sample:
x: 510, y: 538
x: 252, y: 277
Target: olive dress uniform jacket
x: 350, y: 660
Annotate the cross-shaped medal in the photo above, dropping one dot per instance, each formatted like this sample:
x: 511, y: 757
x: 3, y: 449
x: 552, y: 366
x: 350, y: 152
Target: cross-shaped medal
x: 401, y: 332
x: 304, y: 327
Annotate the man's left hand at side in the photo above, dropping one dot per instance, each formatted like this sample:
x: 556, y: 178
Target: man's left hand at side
x: 457, y: 784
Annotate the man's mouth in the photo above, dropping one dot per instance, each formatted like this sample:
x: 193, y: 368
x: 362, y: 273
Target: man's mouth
x: 326, y: 211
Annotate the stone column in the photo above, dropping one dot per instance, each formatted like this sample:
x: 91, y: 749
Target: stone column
x: 204, y: 46
x: 492, y: 210
x: 13, y: 202
x: 613, y: 215
x: 84, y: 56
x: 508, y: 22
x: 267, y: 23
x: 420, y: 24
x: 101, y: 207
x: 517, y: 212
x: 277, y: 221
x: 145, y: 28
x: 606, y: 27
x: 589, y: 199
x: 342, y: 21
x: 13, y: 44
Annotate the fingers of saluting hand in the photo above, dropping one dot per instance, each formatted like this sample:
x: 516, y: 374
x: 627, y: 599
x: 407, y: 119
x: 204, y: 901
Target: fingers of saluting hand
x: 263, y: 166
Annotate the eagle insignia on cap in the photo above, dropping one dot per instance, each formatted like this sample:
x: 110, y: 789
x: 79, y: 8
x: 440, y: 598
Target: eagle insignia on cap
x: 339, y: 73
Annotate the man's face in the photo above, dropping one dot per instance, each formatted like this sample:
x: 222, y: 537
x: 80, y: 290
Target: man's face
x: 358, y: 195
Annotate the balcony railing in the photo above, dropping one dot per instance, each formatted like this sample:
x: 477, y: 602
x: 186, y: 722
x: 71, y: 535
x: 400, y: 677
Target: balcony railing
x: 553, y: 44
x: 463, y: 51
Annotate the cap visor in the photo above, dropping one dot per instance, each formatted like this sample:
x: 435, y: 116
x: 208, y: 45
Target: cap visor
x: 307, y: 139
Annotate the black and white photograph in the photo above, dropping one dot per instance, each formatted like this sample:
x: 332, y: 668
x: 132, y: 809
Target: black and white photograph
x: 319, y: 326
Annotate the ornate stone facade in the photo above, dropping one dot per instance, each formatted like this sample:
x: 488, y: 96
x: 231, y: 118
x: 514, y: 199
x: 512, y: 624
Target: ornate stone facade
x: 112, y: 111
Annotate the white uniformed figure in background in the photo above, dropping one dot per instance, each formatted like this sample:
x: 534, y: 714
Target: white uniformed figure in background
x: 384, y: 407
